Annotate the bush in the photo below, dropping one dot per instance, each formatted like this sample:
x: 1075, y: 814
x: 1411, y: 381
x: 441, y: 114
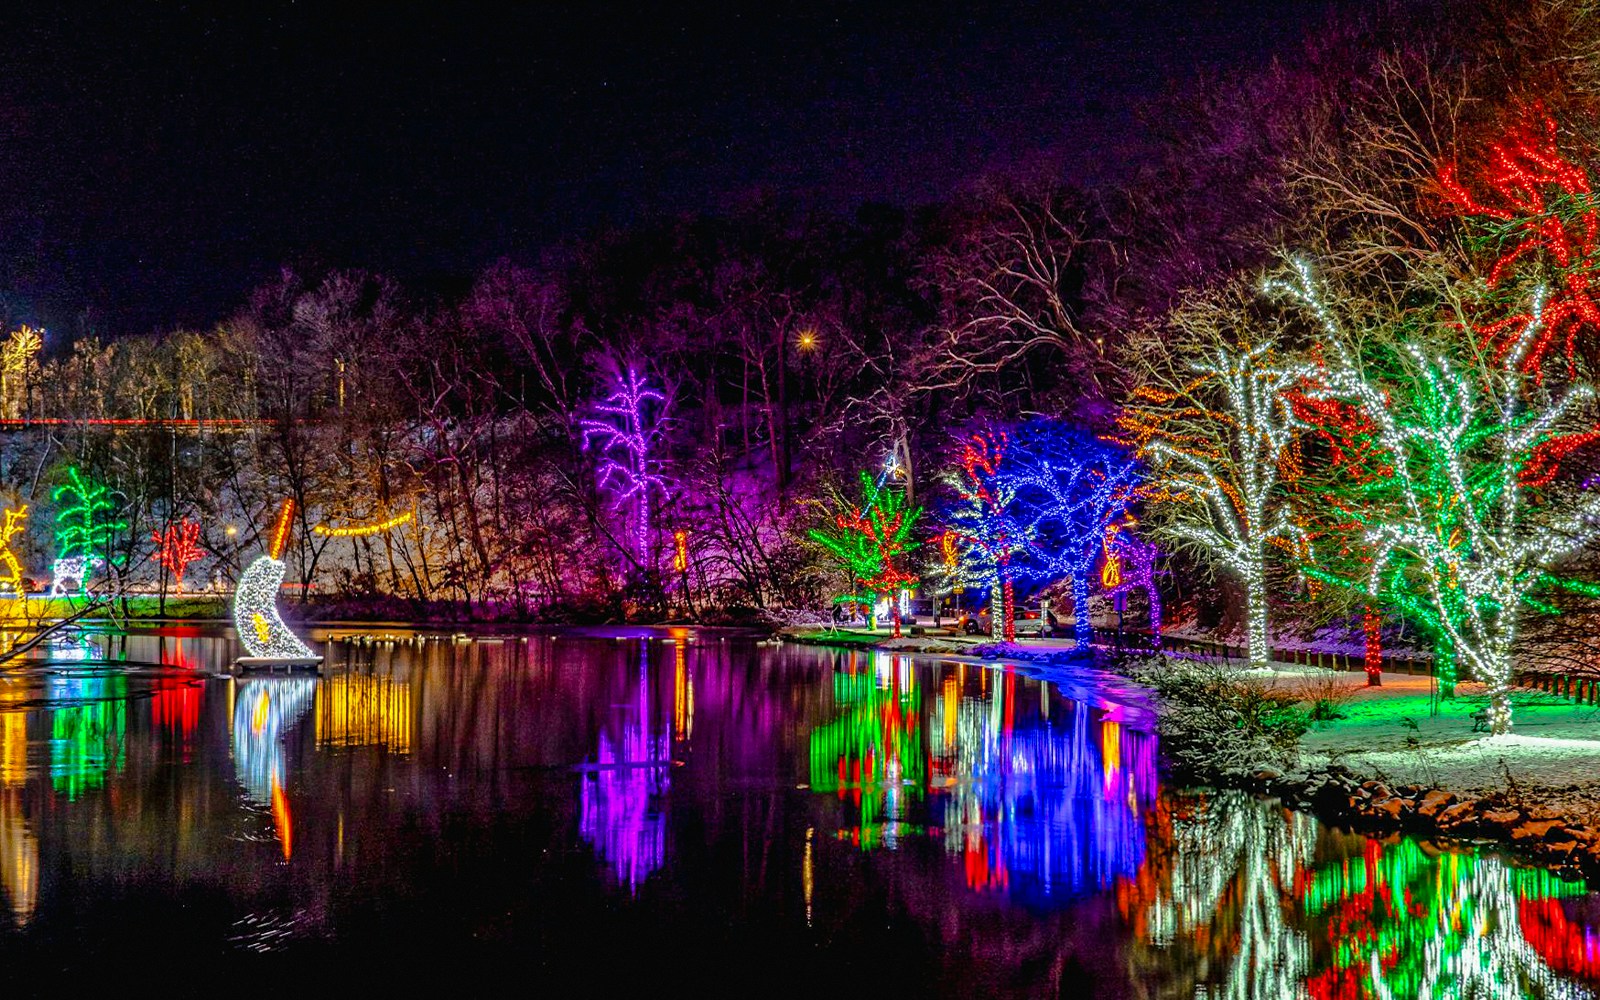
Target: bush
x: 1216, y: 718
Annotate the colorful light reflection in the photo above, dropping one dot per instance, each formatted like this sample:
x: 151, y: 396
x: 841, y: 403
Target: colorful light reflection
x: 265, y: 710
x: 1040, y: 805
x: 621, y: 794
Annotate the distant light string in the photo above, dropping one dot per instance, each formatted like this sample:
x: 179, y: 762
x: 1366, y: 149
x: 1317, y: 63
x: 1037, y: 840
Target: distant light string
x: 362, y: 530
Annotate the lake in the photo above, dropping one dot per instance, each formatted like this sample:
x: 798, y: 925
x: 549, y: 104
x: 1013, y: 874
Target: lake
x: 599, y: 813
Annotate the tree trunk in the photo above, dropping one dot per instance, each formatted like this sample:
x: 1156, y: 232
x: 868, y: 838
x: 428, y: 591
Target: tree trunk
x: 1499, y: 705
x: 1154, y: 596
x: 997, y: 617
x: 1255, y: 611
x: 1444, y: 666
x: 1010, y: 598
x: 1372, y: 623
x: 1082, y: 629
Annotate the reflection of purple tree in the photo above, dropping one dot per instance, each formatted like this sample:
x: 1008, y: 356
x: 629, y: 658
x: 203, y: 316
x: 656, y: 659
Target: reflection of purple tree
x: 618, y: 805
x: 628, y: 435
x: 1137, y: 565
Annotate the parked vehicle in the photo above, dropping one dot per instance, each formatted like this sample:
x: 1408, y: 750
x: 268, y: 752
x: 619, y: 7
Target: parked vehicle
x: 1026, y: 620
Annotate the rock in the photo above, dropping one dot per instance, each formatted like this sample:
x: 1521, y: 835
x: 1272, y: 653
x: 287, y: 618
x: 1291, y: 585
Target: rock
x: 1433, y: 801
x: 1501, y: 817
x: 1531, y: 830
x: 1389, y: 807
x: 1457, y: 815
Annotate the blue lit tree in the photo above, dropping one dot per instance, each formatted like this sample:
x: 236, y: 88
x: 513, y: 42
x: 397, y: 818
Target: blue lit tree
x: 988, y: 534
x: 1070, y: 487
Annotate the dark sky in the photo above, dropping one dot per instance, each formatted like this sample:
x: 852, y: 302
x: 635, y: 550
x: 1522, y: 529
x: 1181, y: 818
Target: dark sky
x: 157, y: 162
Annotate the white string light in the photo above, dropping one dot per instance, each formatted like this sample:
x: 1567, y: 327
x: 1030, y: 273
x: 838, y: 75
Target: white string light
x: 255, y: 614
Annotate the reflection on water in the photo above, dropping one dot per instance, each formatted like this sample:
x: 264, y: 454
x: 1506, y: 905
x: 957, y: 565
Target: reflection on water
x: 620, y: 796
x: 749, y: 816
x: 1253, y: 900
x: 265, y: 709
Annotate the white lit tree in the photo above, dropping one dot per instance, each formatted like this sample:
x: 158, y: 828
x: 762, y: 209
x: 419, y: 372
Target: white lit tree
x: 1472, y: 511
x: 1217, y: 437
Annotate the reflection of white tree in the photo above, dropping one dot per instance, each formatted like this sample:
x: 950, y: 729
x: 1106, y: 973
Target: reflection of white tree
x: 1489, y: 957
x: 1233, y: 877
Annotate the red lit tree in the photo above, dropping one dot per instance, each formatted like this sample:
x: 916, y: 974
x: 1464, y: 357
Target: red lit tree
x: 1535, y: 207
x: 986, y: 527
x: 177, y: 547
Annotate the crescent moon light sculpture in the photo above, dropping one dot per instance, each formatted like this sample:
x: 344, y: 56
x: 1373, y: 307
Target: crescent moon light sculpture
x: 255, y: 607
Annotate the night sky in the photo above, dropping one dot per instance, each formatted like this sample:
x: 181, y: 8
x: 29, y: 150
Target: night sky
x: 159, y: 161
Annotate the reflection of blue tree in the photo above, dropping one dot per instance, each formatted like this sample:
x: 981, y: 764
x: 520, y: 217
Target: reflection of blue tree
x: 1047, y: 808
x: 619, y: 797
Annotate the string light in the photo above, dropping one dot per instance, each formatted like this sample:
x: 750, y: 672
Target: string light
x: 680, y: 551
x: 177, y: 547
x: 1218, y: 447
x: 985, y: 529
x: 1070, y: 488
x: 12, y: 574
x: 255, y: 604
x: 1535, y: 204
x: 280, y: 529
x: 18, y: 357
x: 1458, y: 515
x: 84, y: 528
x: 362, y: 530
x: 628, y: 439
x: 870, y: 536
x: 1135, y: 561
x: 75, y: 570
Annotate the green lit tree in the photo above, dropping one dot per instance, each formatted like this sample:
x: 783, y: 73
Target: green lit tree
x: 871, y: 536
x: 86, y: 519
x: 1470, y: 518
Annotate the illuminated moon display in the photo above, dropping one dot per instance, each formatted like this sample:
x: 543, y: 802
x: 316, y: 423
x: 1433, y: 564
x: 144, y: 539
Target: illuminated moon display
x: 255, y: 615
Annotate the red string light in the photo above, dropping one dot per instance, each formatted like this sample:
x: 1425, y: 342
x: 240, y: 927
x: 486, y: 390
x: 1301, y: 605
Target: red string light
x: 1548, y: 211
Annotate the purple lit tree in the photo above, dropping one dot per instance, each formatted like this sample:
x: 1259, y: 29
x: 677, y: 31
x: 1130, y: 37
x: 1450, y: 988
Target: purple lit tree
x: 628, y: 434
x: 1131, y: 565
x: 1070, y: 488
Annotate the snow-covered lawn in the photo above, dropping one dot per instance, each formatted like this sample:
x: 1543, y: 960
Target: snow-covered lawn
x: 1403, y: 732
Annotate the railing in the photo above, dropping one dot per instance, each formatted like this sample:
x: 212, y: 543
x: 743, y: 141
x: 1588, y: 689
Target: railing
x: 1212, y: 650
x: 1582, y: 689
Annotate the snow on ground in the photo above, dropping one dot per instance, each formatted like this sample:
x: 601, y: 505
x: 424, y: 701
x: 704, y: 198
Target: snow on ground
x: 1402, y: 731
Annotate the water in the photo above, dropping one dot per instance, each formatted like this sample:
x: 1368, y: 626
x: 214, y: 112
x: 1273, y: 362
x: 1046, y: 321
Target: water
x: 704, y: 815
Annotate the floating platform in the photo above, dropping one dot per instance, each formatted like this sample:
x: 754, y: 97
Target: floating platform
x: 290, y: 663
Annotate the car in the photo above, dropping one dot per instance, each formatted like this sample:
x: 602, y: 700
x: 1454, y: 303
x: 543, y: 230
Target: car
x: 1026, y: 620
